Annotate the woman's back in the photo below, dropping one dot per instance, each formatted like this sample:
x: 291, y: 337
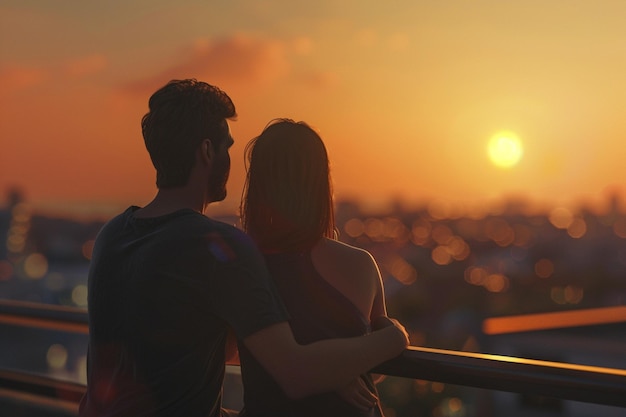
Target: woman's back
x: 353, y: 272
x: 326, y: 299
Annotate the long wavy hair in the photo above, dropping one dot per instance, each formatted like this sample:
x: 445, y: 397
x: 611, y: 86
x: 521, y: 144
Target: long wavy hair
x: 287, y: 202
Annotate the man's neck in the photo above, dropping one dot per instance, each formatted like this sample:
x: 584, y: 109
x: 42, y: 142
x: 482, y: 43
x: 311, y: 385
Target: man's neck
x: 169, y: 200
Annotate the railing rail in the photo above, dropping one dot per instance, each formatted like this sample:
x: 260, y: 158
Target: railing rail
x: 44, y: 316
x: 502, y: 373
x: 41, y: 385
x: 505, y: 373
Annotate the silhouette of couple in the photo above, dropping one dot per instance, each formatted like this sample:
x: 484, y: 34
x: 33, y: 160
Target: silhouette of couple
x: 175, y: 295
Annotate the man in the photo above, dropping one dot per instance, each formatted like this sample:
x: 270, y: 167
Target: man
x: 167, y: 284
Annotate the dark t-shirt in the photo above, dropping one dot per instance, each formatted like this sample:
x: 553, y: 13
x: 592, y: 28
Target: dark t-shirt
x: 317, y: 311
x: 162, y: 293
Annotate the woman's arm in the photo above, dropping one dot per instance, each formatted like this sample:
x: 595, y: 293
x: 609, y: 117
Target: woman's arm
x: 379, y: 305
x: 378, y: 315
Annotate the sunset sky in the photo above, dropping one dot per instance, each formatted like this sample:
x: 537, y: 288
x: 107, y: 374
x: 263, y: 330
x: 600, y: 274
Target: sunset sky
x: 406, y: 94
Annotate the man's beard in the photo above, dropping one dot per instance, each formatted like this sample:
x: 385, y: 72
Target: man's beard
x: 219, y: 178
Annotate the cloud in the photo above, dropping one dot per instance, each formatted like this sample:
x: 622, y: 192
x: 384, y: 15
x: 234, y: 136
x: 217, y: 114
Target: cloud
x: 398, y: 42
x: 319, y: 79
x: 15, y: 78
x: 366, y: 38
x: 239, y: 61
x: 302, y: 45
x: 87, y: 65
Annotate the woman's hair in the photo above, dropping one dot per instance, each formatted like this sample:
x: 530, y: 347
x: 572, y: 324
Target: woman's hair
x: 287, y: 199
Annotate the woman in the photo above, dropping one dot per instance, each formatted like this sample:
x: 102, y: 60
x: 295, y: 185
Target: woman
x: 329, y: 288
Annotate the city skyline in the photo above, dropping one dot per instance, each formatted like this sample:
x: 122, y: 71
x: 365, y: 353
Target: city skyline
x: 611, y: 201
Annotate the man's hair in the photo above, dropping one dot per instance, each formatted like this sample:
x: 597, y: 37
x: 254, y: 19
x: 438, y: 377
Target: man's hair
x: 181, y: 115
x: 287, y: 199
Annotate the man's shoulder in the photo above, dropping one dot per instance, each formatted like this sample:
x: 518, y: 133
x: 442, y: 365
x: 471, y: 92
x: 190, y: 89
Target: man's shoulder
x: 118, y: 221
x: 188, y: 222
x: 226, y: 241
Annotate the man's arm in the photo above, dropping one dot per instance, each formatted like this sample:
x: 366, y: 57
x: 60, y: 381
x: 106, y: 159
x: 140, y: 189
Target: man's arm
x: 327, y: 365
x: 232, y: 353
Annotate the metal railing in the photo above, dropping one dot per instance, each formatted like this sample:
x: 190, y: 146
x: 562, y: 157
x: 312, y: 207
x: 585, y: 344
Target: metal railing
x: 506, y: 373
x: 502, y: 373
x: 26, y: 394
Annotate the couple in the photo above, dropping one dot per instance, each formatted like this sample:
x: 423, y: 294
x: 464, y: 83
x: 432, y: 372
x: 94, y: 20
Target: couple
x: 175, y: 295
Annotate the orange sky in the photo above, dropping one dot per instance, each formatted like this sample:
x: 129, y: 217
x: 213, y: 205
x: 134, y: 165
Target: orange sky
x: 406, y: 94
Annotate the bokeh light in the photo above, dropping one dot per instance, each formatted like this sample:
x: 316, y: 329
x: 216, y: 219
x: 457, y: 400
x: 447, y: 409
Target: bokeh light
x: 438, y: 387
x: 420, y: 232
x: 569, y: 294
x: 441, y: 234
x: 500, y: 232
x: 87, y: 249
x: 496, y: 283
x: 573, y: 294
x: 440, y: 209
x: 402, y: 270
x: 79, y: 295
x: 577, y: 229
x: 619, y: 227
x: 354, y: 228
x: 374, y: 229
x: 16, y: 243
x: 440, y: 255
x: 56, y: 356
x: 458, y: 248
x: 21, y: 213
x: 394, y: 229
x: 476, y: 275
x: 544, y: 268
x: 35, y: 266
x: 561, y: 217
x: 81, y: 369
x: 6, y: 270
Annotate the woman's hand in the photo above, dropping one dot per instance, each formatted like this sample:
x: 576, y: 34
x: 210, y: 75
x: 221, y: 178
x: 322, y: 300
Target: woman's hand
x: 382, y: 322
x: 357, y: 394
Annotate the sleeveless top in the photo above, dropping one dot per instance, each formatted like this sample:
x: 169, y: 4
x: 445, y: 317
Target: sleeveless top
x: 317, y: 311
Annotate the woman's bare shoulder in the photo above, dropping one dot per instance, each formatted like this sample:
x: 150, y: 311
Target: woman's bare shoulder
x: 350, y: 254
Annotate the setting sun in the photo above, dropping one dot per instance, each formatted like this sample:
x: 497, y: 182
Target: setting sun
x: 505, y: 149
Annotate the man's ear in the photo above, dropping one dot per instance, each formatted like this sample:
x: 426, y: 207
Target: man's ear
x: 206, y: 151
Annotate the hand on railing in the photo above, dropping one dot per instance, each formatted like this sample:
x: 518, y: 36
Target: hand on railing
x: 381, y: 322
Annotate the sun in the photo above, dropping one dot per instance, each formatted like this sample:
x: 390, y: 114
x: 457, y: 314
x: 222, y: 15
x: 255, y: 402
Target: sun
x: 505, y: 149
